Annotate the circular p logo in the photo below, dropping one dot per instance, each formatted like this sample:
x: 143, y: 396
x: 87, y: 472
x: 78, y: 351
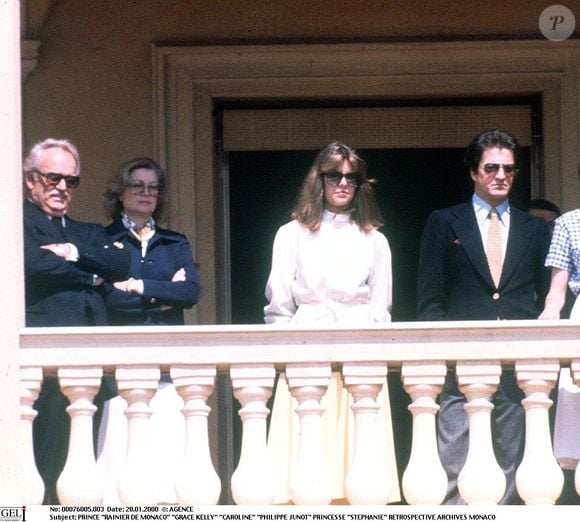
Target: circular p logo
x: 557, y: 23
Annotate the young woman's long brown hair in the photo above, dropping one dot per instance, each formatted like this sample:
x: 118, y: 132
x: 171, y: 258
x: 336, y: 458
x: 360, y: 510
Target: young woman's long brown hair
x: 310, y: 204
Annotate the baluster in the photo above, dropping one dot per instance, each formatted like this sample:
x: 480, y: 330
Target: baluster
x: 30, y: 382
x: 197, y: 481
x: 424, y: 479
x: 481, y: 481
x: 575, y: 368
x: 539, y: 478
x: 368, y: 480
x: 310, y: 481
x: 137, y: 484
x: 78, y: 483
x: 253, y: 480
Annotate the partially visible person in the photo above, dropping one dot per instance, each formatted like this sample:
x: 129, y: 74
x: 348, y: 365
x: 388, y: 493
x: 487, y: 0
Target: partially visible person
x: 483, y: 260
x: 564, y: 261
x: 565, y: 389
x: 330, y: 265
x: 544, y: 209
x: 65, y: 265
x: 163, y: 281
x: 550, y: 212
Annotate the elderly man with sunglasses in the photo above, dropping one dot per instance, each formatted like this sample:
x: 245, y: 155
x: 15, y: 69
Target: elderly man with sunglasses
x: 66, y: 262
x: 483, y: 260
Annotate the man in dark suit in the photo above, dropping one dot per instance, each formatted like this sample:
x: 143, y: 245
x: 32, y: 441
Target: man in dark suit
x: 66, y: 262
x: 457, y: 281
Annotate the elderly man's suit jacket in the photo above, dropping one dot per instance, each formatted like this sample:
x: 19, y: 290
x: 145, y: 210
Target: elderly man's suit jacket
x: 454, y: 281
x: 59, y: 292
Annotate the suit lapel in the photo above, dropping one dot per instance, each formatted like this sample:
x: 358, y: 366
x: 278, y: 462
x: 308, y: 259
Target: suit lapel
x: 517, y: 245
x: 467, y: 231
x: 42, y: 223
x: 73, y: 232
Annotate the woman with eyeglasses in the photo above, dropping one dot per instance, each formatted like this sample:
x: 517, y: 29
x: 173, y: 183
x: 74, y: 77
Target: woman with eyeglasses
x: 163, y: 282
x: 330, y: 265
x: 164, y: 278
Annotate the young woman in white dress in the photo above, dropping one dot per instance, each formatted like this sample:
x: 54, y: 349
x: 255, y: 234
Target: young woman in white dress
x: 330, y: 265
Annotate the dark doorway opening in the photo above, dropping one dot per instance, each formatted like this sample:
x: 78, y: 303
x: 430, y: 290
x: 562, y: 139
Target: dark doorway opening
x: 411, y: 183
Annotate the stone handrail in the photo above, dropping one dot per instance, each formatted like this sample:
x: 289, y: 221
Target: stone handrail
x: 252, y: 355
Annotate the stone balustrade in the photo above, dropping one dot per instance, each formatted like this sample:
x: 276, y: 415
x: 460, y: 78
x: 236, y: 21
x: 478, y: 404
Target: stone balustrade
x: 251, y: 356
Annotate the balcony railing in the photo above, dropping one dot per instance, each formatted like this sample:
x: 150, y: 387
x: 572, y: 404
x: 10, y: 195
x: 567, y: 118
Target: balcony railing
x: 251, y: 356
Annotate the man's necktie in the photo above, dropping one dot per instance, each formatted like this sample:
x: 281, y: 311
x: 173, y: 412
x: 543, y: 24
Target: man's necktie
x: 494, y: 247
x: 59, y: 225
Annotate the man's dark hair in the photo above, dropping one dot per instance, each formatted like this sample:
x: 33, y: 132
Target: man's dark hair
x: 490, y: 139
x: 543, y: 204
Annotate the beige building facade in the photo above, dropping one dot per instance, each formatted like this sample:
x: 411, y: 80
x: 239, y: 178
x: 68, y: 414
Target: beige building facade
x: 159, y: 78
x: 125, y: 79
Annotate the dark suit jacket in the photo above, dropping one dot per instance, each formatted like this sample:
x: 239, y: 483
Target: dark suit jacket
x: 59, y: 292
x: 454, y: 281
x: 163, y: 301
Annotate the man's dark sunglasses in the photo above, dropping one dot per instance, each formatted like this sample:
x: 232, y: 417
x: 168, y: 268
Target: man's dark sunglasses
x: 54, y: 178
x: 493, y: 168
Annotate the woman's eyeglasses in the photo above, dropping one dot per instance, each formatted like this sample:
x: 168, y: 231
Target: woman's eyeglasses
x: 493, y: 168
x: 139, y: 187
x: 335, y: 178
x: 54, y: 178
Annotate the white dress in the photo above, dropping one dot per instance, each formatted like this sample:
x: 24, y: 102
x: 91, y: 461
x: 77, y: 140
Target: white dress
x: 337, y: 274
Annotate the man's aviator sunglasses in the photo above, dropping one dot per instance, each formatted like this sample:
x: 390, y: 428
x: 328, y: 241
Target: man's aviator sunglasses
x: 54, y: 178
x: 493, y: 168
